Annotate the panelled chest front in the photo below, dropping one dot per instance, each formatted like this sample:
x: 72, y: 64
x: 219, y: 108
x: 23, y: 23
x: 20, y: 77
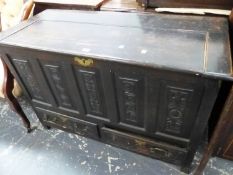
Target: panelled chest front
x: 146, y: 83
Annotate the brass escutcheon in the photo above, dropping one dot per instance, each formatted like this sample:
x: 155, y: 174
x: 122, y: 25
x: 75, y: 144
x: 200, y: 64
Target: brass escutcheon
x: 140, y: 143
x: 85, y: 62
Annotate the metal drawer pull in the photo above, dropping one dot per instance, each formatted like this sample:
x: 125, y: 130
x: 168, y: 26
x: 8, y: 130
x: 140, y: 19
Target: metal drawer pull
x: 161, y: 151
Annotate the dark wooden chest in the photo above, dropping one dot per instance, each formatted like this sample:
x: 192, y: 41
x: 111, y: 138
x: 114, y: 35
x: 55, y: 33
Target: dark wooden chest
x: 41, y: 5
x: 145, y: 83
x: 214, y: 4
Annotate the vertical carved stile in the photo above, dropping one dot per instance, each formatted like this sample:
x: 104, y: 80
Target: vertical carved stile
x: 130, y: 100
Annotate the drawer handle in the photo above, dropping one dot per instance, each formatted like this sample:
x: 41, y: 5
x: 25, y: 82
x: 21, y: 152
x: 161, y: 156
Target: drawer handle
x: 161, y: 151
x: 80, y: 130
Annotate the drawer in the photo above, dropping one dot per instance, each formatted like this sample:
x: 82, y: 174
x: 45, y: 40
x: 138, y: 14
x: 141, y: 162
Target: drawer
x: 143, y: 146
x: 63, y: 122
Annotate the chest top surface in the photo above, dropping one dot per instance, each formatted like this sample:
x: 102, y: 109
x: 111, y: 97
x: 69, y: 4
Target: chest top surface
x: 195, y: 44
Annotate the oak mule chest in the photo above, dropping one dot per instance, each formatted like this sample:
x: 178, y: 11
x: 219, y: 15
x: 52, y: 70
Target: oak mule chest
x: 142, y: 82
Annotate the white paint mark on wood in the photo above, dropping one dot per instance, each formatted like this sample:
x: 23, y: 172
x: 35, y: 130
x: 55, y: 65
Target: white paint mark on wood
x: 121, y: 46
x: 6, y: 151
x: 86, y: 50
x: 143, y: 51
x: 199, y: 11
x: 100, y: 157
x: 56, y: 134
x: 110, y: 163
x: 117, y: 168
x: 83, y: 163
x: 71, y: 136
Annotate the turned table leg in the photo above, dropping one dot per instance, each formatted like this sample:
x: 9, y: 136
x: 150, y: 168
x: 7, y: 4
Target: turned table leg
x: 8, y: 86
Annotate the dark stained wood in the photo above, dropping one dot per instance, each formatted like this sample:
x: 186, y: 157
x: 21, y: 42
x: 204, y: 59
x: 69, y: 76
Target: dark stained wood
x: 143, y: 145
x: 226, y: 117
x: 80, y: 127
x: 231, y: 29
x: 222, y: 132
x: 225, y: 143
x: 199, y: 125
x: 41, y: 5
x: 225, y: 148
x: 223, y: 4
x: 149, y: 78
x: 8, y: 86
x: 205, y: 39
x: 228, y: 149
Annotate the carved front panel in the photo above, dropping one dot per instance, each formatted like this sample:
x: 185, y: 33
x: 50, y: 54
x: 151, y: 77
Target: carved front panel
x: 54, y: 74
x: 130, y: 100
x: 29, y: 80
x: 175, y: 112
x: 90, y: 83
x: 177, y: 109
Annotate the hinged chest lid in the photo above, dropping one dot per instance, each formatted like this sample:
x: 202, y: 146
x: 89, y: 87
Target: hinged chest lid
x: 195, y: 44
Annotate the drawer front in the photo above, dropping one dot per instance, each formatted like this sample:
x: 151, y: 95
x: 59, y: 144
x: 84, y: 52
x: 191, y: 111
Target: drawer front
x: 63, y: 122
x: 143, y: 146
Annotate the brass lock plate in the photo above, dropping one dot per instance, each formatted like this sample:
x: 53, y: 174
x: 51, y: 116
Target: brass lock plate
x: 85, y: 62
